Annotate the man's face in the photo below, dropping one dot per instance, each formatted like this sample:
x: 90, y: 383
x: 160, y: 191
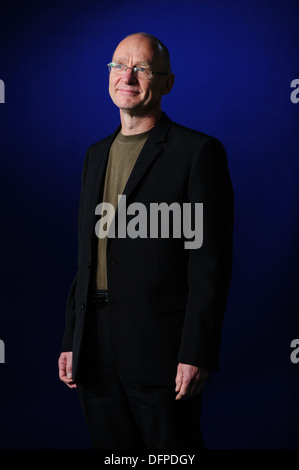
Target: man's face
x: 132, y: 94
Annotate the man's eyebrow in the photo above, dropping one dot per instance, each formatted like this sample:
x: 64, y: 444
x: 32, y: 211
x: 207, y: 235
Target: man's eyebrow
x: 122, y: 60
x: 143, y: 63
x: 118, y: 59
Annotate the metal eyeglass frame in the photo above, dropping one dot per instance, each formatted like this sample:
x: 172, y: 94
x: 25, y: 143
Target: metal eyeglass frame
x: 135, y: 69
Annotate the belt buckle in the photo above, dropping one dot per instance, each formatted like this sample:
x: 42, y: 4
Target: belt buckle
x: 100, y: 299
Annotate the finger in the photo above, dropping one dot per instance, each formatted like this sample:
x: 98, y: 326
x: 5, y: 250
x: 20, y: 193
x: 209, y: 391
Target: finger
x: 71, y: 385
x: 183, y: 393
x: 62, y: 368
x: 68, y: 381
x: 65, y: 370
x: 69, y: 368
x: 63, y: 375
x: 178, y: 379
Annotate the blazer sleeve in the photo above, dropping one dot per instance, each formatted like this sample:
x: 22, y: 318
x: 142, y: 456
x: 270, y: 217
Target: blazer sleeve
x: 70, y: 311
x: 209, y: 267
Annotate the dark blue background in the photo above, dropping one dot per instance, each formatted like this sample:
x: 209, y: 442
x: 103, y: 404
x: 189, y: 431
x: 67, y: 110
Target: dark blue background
x: 234, y: 62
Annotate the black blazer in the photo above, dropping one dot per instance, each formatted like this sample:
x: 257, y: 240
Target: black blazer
x: 166, y: 302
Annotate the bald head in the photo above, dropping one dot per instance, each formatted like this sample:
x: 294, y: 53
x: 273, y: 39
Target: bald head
x: 160, y: 50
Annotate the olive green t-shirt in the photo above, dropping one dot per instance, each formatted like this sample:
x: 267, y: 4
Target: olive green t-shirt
x: 124, y: 152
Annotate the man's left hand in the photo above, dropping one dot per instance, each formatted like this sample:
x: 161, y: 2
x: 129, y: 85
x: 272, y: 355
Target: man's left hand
x: 189, y: 380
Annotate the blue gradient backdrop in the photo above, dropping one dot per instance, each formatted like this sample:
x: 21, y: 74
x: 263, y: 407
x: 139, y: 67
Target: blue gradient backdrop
x: 234, y: 62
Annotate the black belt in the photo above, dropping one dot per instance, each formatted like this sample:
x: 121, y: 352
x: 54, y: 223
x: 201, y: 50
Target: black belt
x: 99, y: 299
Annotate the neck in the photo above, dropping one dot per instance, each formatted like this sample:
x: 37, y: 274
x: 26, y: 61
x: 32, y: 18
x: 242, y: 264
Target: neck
x: 134, y: 124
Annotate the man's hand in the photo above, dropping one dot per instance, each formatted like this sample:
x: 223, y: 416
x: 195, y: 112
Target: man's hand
x: 65, y: 368
x: 189, y: 380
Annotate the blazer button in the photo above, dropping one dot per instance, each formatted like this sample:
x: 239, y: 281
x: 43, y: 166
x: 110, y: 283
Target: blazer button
x: 88, y: 265
x: 83, y: 306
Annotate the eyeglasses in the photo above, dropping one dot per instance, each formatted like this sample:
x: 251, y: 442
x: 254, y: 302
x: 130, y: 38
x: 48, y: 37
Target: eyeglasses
x: 141, y: 72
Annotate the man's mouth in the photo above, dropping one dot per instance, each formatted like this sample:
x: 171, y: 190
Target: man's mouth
x: 128, y: 92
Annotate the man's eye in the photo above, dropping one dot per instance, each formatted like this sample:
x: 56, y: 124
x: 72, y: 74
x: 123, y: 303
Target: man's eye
x: 118, y: 66
x: 140, y: 69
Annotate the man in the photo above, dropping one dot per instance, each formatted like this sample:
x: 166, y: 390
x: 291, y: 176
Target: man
x: 144, y: 313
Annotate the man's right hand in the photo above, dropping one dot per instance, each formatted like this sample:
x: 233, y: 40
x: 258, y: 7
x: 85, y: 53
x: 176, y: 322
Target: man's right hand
x: 65, y: 362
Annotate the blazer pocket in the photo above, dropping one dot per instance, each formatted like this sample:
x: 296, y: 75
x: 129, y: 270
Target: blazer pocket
x: 167, y: 303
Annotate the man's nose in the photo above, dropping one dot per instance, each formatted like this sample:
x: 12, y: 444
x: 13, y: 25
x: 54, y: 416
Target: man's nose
x: 129, y: 76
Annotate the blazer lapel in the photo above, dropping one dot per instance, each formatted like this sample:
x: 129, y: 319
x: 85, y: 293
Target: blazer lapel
x: 97, y: 170
x: 148, y: 154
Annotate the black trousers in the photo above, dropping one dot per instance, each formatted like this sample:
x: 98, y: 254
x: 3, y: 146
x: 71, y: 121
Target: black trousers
x: 130, y: 416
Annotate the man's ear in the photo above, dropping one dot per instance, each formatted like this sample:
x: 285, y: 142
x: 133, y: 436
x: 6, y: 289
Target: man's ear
x: 167, y: 84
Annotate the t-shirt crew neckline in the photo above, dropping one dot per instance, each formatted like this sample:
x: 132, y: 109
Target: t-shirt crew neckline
x: 131, y: 138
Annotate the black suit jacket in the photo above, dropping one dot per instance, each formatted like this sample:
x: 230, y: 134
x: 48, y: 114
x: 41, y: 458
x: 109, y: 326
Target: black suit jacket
x: 166, y: 302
